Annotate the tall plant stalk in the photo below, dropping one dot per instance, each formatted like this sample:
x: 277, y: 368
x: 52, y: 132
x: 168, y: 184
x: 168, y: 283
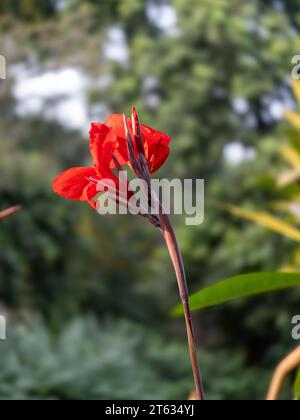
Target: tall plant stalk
x: 140, y: 166
x: 138, y: 161
x: 176, y: 257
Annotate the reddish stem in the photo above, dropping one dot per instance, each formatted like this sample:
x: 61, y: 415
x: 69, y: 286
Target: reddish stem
x: 174, y: 250
x: 291, y: 362
x: 9, y: 212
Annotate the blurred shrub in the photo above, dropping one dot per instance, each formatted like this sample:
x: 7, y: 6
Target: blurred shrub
x: 28, y: 9
x: 111, y: 360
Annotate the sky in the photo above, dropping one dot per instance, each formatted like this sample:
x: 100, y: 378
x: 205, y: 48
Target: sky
x: 66, y: 89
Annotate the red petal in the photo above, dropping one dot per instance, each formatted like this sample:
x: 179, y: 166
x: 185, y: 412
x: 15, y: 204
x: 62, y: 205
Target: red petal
x: 152, y: 136
x: 108, y: 163
x: 72, y: 183
x: 116, y: 122
x: 158, y: 154
x: 89, y: 193
x: 157, y: 150
x: 155, y: 142
x: 101, y: 135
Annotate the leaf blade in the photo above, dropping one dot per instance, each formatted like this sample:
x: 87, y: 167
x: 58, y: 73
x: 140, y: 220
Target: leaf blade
x: 241, y: 286
x: 297, y: 386
x: 266, y: 220
x: 291, y: 155
x: 296, y: 89
x: 293, y: 119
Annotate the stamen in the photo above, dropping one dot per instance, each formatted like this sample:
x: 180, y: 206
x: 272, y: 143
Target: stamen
x: 140, y: 144
x: 130, y: 148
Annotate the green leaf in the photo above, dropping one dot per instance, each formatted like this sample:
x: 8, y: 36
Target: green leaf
x: 296, y: 89
x: 266, y: 220
x: 293, y: 118
x: 240, y: 287
x: 291, y: 155
x: 297, y: 386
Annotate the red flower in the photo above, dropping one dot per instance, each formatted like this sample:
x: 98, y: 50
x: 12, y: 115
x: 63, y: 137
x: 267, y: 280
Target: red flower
x: 117, y: 143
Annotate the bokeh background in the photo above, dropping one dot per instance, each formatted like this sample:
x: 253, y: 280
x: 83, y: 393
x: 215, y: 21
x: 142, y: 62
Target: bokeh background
x: 88, y: 298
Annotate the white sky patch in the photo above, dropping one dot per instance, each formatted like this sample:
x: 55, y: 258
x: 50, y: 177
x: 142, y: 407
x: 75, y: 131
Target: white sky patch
x: 61, y: 5
x: 115, y: 48
x: 99, y: 112
x: 236, y: 153
x: 34, y: 105
x: 240, y: 105
x: 163, y: 16
x: 276, y: 110
x: 278, y: 5
x: 274, y: 107
x: 150, y: 82
x: 71, y: 113
x: 104, y: 81
x: 152, y: 100
x: 50, y: 84
x: 58, y: 95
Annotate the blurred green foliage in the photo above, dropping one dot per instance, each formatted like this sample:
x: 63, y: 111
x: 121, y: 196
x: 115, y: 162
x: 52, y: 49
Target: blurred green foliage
x: 119, y: 360
x: 60, y: 260
x: 28, y: 10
